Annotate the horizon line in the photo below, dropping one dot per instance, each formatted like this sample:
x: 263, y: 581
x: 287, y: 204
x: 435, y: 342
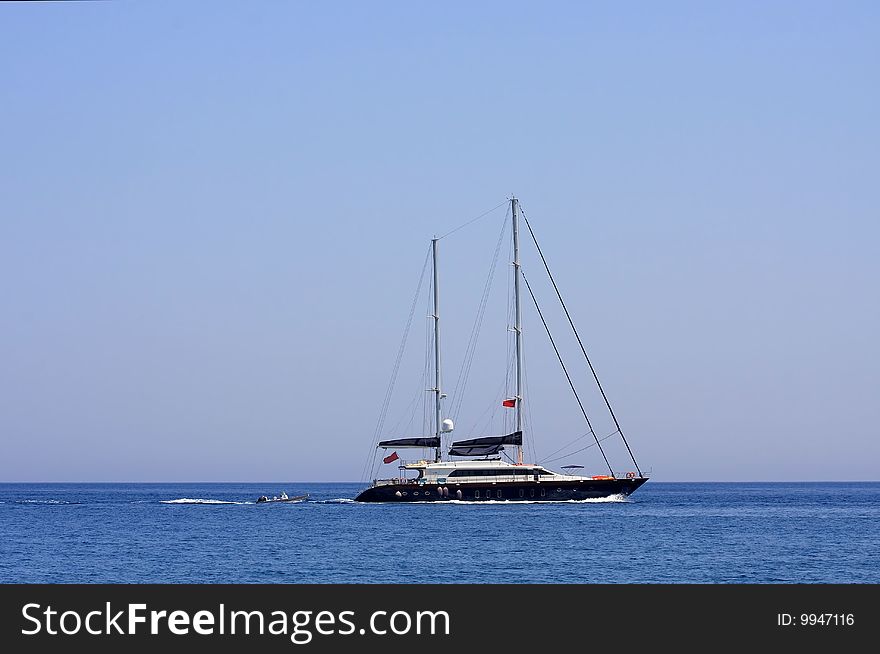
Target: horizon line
x: 665, y: 481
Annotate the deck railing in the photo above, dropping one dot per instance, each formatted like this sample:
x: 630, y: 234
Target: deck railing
x: 503, y: 478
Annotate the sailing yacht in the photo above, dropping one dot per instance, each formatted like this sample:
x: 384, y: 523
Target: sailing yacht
x: 473, y: 469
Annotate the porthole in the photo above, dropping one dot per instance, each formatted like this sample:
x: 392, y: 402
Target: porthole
x: 532, y: 493
x: 403, y: 493
x: 558, y: 490
x: 498, y: 494
x: 543, y: 492
x: 476, y: 495
x: 522, y: 492
x: 415, y: 492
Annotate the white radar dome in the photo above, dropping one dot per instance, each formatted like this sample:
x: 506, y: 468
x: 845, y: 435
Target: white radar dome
x: 447, y: 425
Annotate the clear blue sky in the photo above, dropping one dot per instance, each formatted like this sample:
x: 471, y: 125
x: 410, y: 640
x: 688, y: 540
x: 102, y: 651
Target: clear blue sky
x: 213, y: 215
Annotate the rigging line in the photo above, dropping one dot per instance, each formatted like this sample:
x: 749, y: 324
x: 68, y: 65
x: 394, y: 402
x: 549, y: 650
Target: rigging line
x: 408, y: 411
x: 401, y: 349
x: 489, y: 408
x: 507, y: 420
x: 475, y: 333
x: 429, y: 335
x: 388, y: 393
x: 528, y: 415
x: 492, y: 410
x: 527, y: 426
x: 572, y: 442
x: 586, y: 447
x: 565, y: 370
x: 412, y: 407
x: 583, y: 349
x: 473, y: 220
x: 464, y: 371
x: 420, y: 393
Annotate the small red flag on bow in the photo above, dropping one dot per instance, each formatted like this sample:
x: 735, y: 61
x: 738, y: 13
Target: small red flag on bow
x: 391, y: 457
x: 510, y: 403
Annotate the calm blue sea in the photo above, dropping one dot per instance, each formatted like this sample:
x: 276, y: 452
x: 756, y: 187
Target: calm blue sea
x: 213, y: 533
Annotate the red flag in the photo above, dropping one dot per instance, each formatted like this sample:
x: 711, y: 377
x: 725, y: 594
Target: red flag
x: 509, y: 403
x: 391, y: 457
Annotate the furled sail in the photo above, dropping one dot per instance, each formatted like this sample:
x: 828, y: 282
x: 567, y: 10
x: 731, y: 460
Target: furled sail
x: 484, y: 446
x: 480, y: 450
x: 411, y: 442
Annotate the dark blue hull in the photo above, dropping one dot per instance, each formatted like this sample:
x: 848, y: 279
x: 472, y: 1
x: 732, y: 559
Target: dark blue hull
x: 515, y: 491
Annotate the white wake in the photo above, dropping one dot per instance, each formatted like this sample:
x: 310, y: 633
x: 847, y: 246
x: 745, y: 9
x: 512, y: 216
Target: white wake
x: 45, y: 502
x: 189, y: 500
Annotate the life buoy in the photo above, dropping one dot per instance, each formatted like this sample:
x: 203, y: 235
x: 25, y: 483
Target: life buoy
x: 630, y: 475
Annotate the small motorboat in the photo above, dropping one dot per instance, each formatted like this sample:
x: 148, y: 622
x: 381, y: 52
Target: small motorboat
x: 264, y: 499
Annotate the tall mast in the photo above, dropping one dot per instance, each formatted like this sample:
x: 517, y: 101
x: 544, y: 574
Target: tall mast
x: 437, y: 393
x: 517, y: 327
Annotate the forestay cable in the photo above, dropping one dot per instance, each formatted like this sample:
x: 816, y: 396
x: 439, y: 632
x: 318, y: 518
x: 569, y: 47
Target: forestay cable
x: 580, y: 342
x: 388, y: 393
x: 565, y: 370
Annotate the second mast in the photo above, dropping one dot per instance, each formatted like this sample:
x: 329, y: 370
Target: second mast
x: 437, y: 392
